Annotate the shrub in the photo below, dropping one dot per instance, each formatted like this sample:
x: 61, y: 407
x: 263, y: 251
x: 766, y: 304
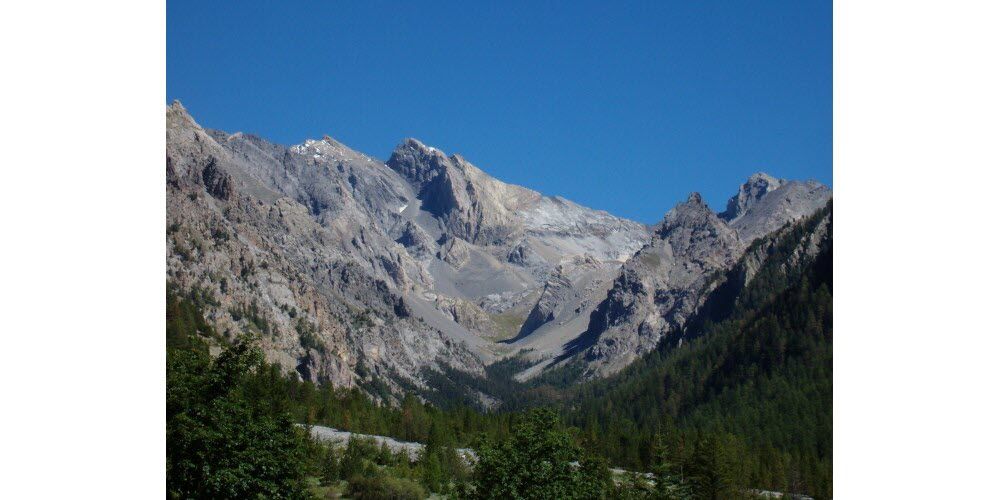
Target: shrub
x: 385, y: 488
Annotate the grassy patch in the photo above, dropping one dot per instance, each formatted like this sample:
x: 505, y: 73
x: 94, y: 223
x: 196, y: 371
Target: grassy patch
x: 336, y: 490
x: 508, y: 324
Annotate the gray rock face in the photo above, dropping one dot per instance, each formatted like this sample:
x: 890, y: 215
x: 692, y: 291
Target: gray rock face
x: 755, y: 188
x: 218, y: 183
x: 309, y: 269
x: 549, y: 305
x: 360, y: 272
x: 666, y: 282
x: 661, y: 286
x: 454, y: 251
x: 517, y: 224
x: 807, y: 247
x: 355, y: 271
x: 416, y: 240
x: 786, y: 203
x: 472, y: 205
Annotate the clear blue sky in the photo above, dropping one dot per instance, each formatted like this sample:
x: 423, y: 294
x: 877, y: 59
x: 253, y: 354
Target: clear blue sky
x: 624, y: 108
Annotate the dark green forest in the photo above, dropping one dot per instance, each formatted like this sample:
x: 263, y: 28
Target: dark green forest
x: 755, y: 370
x: 739, y: 401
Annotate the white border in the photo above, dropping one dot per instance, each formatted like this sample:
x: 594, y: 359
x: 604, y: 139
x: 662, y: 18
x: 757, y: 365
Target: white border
x: 83, y: 207
x: 916, y: 140
x: 915, y: 158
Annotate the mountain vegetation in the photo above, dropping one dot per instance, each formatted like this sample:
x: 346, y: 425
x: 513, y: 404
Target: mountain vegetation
x: 575, y: 353
x: 752, y: 379
x: 743, y: 402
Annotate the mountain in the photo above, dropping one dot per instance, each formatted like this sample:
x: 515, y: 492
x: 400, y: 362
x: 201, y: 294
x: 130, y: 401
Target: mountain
x: 395, y: 276
x: 764, y: 204
x: 660, y: 287
x: 362, y: 272
x: 287, y: 242
x: 756, y: 361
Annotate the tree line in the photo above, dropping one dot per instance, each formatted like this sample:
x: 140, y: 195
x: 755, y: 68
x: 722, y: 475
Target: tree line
x: 744, y: 403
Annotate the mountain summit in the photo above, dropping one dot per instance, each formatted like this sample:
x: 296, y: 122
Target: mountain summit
x: 381, y: 274
x: 755, y: 188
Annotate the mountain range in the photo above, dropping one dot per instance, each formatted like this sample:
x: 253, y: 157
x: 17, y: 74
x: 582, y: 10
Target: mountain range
x: 383, y: 275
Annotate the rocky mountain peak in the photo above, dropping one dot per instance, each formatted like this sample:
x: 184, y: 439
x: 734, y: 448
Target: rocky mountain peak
x: 317, y: 232
x: 758, y: 185
x: 417, y: 163
x: 177, y: 116
x: 764, y: 204
x: 695, y: 199
x: 691, y: 213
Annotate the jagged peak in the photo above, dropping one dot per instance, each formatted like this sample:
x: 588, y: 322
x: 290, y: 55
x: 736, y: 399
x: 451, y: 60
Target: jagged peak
x: 695, y: 198
x: 758, y: 177
x: 694, y: 202
x: 414, y: 144
x: 417, y: 162
x: 691, y: 212
x: 751, y: 191
x: 329, y: 148
x: 177, y: 115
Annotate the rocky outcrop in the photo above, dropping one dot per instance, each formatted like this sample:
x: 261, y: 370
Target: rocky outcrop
x: 454, y: 251
x: 666, y: 282
x: 549, y: 305
x: 472, y: 205
x: 416, y: 240
x: 765, y: 204
x: 787, y: 253
x: 514, y: 221
x: 469, y: 315
x: 523, y: 254
x: 661, y: 285
x: 218, y: 183
x: 755, y: 188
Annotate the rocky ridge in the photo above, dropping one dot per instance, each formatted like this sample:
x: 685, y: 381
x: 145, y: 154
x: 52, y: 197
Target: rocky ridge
x: 361, y: 272
x: 660, y: 288
x: 369, y: 274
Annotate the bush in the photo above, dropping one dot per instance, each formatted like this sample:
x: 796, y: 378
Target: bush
x: 385, y: 488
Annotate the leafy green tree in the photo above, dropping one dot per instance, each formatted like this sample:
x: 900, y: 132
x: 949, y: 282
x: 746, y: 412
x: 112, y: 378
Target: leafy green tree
x: 594, y: 477
x: 362, y: 457
x: 539, y: 460
x: 219, y: 444
x: 632, y: 486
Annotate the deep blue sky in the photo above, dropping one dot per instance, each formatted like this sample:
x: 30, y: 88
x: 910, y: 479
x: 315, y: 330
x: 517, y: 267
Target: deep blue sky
x: 623, y: 108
